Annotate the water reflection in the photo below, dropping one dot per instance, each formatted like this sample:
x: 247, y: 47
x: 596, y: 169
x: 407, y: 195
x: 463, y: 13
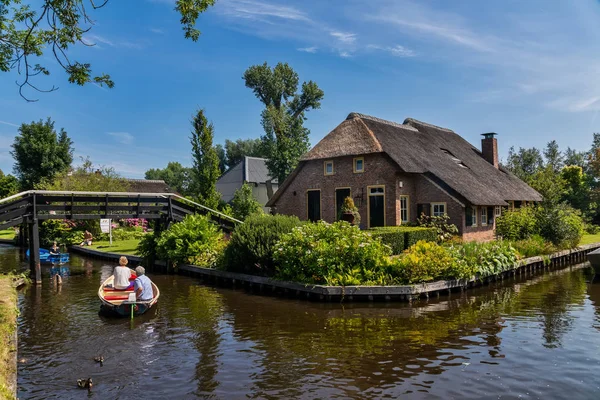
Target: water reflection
x: 512, y: 338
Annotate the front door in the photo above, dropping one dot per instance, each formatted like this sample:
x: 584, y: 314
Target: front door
x: 340, y: 195
x: 376, y: 206
x: 313, y: 205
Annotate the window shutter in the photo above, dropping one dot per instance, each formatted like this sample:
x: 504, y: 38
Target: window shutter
x: 490, y: 215
x: 469, y: 215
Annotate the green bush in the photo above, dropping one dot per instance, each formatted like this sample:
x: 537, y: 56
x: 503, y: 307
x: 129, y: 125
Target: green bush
x: 51, y: 230
x: 517, y: 224
x: 244, y: 204
x: 481, y: 259
x: 195, y: 240
x: 250, y: 249
x: 533, y: 246
x: 332, y: 254
x: 561, y: 225
x: 128, y: 233
x: 444, y: 229
x: 400, y: 238
x: 422, y: 262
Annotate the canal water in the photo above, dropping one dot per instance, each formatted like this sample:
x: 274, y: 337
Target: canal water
x: 536, y: 338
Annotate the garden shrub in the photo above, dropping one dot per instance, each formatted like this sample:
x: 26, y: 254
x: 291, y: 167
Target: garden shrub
x: 244, y: 204
x: 400, y: 238
x: 195, y: 240
x: 349, y: 207
x: 517, y: 224
x: 51, y: 230
x: 481, y: 259
x: 533, y: 246
x: 128, y: 233
x: 250, y: 249
x: 422, y: 262
x: 445, y: 230
x: 332, y: 254
x: 561, y: 225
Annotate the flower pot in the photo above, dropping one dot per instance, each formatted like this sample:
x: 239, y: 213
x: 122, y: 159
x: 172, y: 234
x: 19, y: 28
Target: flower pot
x: 348, y: 217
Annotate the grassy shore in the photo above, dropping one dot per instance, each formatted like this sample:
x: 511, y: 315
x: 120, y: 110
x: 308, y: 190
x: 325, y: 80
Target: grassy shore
x: 8, y: 324
x: 588, y: 239
x: 128, y: 247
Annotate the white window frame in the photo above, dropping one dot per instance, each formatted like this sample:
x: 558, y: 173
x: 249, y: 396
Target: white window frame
x: 433, y: 205
x: 325, y: 163
x: 484, y: 220
x: 406, y: 208
x: 474, y: 216
x: 497, y: 211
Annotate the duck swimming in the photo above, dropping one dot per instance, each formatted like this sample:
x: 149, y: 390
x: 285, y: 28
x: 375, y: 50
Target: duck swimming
x: 85, y: 383
x: 99, y: 359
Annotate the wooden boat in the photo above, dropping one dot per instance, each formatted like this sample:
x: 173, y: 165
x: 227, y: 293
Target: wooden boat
x: 594, y: 259
x: 48, y: 258
x: 120, y: 302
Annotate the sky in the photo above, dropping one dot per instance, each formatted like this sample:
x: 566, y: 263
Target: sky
x: 528, y: 70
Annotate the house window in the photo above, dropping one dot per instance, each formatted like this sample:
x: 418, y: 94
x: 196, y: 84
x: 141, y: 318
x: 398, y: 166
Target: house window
x: 328, y: 167
x: 484, y: 219
x: 497, y: 211
x: 404, y: 204
x: 438, y: 209
x: 376, y: 206
x: 359, y: 165
x: 474, y: 216
x: 313, y: 205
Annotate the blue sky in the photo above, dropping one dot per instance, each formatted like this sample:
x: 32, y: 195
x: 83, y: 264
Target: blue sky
x: 528, y: 70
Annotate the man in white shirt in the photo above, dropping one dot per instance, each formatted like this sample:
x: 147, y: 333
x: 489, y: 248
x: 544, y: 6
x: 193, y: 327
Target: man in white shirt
x: 122, y: 275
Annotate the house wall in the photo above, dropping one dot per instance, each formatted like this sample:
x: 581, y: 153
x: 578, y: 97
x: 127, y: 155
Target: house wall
x: 231, y: 181
x: 259, y: 191
x: 428, y: 192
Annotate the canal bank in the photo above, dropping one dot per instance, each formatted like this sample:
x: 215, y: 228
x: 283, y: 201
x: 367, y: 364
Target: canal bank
x: 322, y: 293
x: 8, y: 335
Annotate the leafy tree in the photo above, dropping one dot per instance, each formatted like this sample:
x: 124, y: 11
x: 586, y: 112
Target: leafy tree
x: 285, y: 138
x: 554, y: 158
x: 87, y: 178
x: 28, y: 29
x: 222, y: 158
x: 574, y: 157
x: 40, y: 153
x: 549, y: 184
x: 174, y: 174
x: 525, y: 162
x: 236, y: 151
x: 9, y: 185
x: 244, y: 204
x: 205, y: 171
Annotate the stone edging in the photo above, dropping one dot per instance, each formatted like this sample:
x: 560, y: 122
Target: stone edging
x: 368, y: 293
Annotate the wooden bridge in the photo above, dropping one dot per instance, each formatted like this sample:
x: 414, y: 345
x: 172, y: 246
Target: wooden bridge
x: 29, y: 208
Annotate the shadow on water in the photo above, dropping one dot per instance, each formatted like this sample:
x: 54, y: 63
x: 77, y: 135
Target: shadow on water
x: 513, y: 338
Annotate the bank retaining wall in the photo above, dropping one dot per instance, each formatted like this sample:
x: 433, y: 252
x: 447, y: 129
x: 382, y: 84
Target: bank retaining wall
x: 264, y: 285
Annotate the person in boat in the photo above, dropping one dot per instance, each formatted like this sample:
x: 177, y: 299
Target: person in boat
x: 122, y: 274
x: 55, y: 250
x: 87, y: 239
x: 143, y: 285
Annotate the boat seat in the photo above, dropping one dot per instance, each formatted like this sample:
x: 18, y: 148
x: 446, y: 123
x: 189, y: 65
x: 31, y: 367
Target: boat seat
x: 113, y: 298
x: 110, y: 289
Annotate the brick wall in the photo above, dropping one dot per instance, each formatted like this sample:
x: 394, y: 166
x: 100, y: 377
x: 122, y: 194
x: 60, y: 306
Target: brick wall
x: 427, y: 192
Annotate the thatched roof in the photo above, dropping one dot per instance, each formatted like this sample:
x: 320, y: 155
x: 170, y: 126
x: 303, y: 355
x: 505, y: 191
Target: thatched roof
x: 418, y: 147
x: 147, y: 186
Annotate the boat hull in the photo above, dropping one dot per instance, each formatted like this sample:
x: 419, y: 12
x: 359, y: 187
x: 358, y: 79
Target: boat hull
x: 47, y: 258
x: 594, y: 259
x: 116, y: 302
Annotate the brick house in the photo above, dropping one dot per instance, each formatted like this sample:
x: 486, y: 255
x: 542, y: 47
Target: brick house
x: 394, y: 172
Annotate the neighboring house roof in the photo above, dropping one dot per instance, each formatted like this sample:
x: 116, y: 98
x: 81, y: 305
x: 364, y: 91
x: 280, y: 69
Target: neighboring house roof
x: 417, y: 147
x: 250, y: 169
x: 147, y: 186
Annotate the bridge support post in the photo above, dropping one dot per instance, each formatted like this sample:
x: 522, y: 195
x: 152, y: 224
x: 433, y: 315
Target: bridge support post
x: 34, y: 252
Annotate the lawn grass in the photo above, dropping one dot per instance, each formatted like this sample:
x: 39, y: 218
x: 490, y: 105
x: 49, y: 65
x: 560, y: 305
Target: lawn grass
x: 7, y: 234
x: 8, y: 324
x: 588, y: 239
x: 128, y: 247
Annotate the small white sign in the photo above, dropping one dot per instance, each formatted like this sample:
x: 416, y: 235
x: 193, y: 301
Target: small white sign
x: 105, y: 225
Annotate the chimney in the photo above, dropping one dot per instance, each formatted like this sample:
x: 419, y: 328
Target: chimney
x: 489, y: 148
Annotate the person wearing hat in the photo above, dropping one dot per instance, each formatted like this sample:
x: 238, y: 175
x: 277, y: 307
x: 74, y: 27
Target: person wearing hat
x: 122, y: 275
x: 143, y: 285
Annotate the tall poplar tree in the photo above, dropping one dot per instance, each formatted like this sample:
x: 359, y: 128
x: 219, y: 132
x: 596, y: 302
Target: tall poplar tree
x: 285, y: 138
x: 205, y: 170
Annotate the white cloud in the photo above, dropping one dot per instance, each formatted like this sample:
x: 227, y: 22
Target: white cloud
x: 95, y: 39
x: 260, y: 10
x: 345, y: 54
x: 344, y: 37
x: 157, y: 31
x: 9, y: 124
x: 312, y: 49
x: 397, y: 50
x: 122, y: 137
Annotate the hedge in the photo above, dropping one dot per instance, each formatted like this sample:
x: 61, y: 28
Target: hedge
x: 400, y: 238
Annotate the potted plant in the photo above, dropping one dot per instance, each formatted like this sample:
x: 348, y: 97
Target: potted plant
x: 349, y: 212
